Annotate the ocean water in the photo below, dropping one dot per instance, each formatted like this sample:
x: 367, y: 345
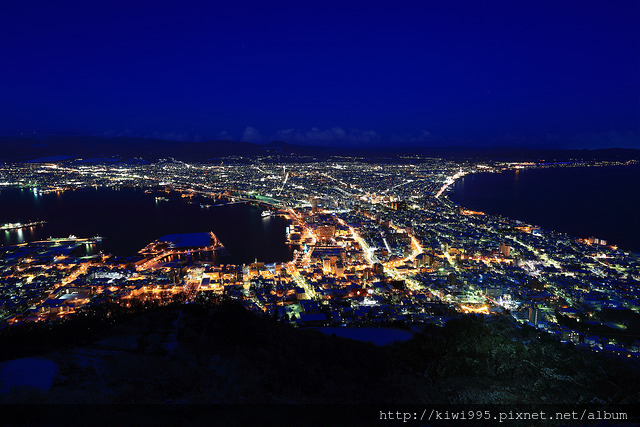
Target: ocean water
x: 128, y: 219
x: 602, y: 202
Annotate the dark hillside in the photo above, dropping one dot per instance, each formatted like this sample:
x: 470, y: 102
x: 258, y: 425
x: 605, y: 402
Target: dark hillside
x: 225, y: 354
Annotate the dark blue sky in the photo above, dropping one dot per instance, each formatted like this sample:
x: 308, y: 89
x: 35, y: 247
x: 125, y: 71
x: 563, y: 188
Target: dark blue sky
x: 525, y: 73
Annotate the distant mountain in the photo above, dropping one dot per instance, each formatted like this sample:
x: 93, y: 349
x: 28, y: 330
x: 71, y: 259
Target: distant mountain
x: 33, y: 148
x: 50, y: 148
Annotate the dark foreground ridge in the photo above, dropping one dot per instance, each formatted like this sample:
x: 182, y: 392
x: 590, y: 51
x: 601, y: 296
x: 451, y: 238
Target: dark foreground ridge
x: 219, y: 353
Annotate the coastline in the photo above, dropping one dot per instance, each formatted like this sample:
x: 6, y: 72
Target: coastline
x: 526, y: 201
x: 155, y: 213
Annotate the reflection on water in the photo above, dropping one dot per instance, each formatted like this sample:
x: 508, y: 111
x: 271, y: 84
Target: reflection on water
x: 596, y: 201
x: 128, y: 219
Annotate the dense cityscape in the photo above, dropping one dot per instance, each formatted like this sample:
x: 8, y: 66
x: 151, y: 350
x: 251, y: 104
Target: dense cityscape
x: 377, y: 243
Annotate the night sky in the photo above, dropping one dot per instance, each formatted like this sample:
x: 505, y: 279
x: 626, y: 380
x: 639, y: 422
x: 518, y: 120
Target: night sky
x: 477, y: 73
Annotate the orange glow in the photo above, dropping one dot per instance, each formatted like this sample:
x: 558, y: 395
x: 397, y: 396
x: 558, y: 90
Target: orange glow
x: 525, y: 229
x: 469, y: 212
x: 481, y: 309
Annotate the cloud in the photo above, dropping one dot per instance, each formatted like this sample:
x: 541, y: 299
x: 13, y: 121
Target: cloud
x: 251, y: 134
x: 176, y: 136
x: 224, y: 136
x: 168, y: 136
x: 335, y: 136
x: 329, y: 137
x: 411, y: 139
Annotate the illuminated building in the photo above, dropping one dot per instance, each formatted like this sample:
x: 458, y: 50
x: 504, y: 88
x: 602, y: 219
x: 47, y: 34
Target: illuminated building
x: 325, y: 232
x: 505, y: 249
